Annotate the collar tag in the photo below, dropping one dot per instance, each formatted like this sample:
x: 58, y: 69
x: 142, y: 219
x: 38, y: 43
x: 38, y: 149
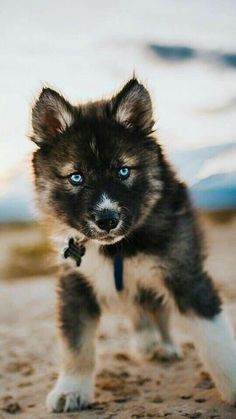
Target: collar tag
x: 75, y: 251
x: 118, y: 273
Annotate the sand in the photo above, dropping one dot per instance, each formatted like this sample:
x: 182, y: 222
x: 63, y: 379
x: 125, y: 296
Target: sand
x: 125, y: 387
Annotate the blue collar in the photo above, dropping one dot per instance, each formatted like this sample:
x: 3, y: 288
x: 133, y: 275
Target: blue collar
x: 118, y: 273
x: 76, y: 251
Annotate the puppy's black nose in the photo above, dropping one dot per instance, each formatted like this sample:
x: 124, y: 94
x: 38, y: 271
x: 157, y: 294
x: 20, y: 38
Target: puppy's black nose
x: 107, y: 220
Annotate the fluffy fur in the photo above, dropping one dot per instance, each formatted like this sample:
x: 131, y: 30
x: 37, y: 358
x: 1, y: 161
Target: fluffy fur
x: 156, y: 234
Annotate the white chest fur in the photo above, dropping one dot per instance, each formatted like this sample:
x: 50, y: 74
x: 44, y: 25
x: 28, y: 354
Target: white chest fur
x: 141, y: 271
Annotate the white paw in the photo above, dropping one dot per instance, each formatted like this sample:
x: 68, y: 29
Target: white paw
x: 168, y: 352
x: 70, y: 393
x: 148, y: 345
x: 145, y: 342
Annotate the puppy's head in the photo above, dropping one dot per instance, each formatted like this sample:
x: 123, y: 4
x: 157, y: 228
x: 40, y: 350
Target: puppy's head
x: 97, y: 167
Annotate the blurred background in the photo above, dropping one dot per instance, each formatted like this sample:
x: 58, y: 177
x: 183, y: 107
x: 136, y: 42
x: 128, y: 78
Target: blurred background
x: 185, y: 53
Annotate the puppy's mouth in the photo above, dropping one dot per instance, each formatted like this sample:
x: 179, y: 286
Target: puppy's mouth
x: 106, y: 237
x: 109, y: 239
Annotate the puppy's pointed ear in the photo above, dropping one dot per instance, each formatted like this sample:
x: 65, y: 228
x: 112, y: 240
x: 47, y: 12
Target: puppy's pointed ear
x: 51, y: 115
x: 132, y: 107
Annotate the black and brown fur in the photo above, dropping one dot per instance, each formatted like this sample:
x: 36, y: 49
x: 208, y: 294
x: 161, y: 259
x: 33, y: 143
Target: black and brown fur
x: 157, y: 222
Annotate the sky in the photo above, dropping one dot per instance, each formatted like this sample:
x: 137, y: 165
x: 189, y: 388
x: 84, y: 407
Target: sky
x: 183, y: 50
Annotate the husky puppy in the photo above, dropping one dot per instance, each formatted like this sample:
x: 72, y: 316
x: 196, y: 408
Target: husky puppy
x: 102, y: 179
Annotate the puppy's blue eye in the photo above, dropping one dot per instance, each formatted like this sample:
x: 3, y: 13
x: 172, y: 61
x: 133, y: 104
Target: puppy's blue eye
x: 124, y: 172
x: 75, y: 179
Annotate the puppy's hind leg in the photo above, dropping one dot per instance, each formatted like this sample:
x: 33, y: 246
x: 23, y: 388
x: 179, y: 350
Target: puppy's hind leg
x: 215, y: 342
x: 78, y: 314
x: 200, y: 306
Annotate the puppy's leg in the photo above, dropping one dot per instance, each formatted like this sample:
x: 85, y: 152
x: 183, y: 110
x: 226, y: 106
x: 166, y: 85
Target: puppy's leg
x: 78, y: 315
x: 200, y: 306
x: 152, y: 327
x: 146, y: 337
x: 168, y: 349
x: 215, y: 341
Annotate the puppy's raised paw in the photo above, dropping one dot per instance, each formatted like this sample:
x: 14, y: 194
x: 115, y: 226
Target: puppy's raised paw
x: 70, y: 393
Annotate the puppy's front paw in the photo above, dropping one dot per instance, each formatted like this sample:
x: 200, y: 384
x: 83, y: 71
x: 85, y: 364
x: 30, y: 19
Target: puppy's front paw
x: 70, y: 393
x: 168, y: 352
x: 144, y: 343
x: 147, y: 345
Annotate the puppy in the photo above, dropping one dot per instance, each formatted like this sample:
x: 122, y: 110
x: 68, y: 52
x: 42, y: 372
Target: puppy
x: 103, y: 180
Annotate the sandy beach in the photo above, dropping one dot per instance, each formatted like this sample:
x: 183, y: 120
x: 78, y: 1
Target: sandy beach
x: 125, y: 386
